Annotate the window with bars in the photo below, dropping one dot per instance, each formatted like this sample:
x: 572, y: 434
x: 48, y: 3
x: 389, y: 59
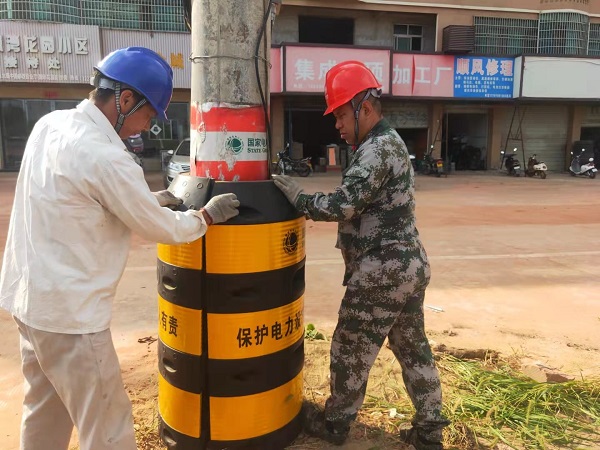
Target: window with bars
x: 594, y: 40
x: 65, y: 11
x: 563, y: 33
x: 154, y: 15
x: 408, y: 38
x: 499, y: 35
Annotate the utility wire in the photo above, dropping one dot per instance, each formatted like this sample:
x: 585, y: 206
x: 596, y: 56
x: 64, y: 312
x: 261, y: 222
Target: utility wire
x: 259, y: 83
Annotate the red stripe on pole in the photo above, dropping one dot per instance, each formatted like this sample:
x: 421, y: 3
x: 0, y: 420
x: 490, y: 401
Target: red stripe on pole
x: 242, y: 171
x: 240, y: 153
x: 245, y: 118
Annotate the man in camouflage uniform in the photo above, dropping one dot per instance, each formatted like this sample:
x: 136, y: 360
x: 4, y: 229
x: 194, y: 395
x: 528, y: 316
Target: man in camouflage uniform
x: 387, y: 269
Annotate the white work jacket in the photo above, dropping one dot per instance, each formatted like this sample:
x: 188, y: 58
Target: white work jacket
x: 78, y: 197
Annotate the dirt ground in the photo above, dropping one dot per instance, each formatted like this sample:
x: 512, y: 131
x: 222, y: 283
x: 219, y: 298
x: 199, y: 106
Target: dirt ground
x: 514, y: 269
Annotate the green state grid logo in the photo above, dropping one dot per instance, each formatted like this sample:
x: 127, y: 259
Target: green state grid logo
x: 234, y: 144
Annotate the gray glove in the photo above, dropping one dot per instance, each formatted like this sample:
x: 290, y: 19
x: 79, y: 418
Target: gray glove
x: 222, y: 207
x: 290, y: 187
x: 166, y: 198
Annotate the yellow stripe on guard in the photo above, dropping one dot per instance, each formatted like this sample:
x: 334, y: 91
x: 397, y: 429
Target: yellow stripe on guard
x: 188, y: 256
x: 179, y: 409
x: 180, y: 328
x: 254, y: 248
x: 257, y: 417
x: 248, y: 335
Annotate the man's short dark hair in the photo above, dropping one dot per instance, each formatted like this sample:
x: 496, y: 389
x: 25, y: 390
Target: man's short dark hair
x: 102, y: 95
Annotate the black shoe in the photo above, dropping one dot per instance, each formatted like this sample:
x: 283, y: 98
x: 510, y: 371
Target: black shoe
x: 315, y: 425
x: 413, y: 437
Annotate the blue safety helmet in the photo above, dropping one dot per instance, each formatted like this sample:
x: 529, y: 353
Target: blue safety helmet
x: 140, y: 69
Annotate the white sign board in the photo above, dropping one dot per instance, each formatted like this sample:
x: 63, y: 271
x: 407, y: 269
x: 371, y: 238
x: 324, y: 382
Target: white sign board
x: 560, y: 77
x: 173, y: 47
x: 47, y: 52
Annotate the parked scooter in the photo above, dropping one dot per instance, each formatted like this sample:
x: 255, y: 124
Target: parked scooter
x: 577, y: 168
x: 286, y: 165
x: 535, y: 167
x: 433, y: 166
x: 512, y: 164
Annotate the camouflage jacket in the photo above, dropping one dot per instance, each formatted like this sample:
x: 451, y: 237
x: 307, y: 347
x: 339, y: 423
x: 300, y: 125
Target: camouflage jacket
x: 374, y: 208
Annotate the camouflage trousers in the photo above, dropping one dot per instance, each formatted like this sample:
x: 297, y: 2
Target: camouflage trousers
x: 366, y: 317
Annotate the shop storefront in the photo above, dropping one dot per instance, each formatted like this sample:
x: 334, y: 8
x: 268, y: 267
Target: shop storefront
x: 590, y: 129
x: 460, y: 107
x: 18, y: 117
x: 566, y: 86
x: 465, y: 136
x: 47, y: 66
x: 545, y: 134
x: 411, y: 121
x: 444, y: 101
x: 303, y: 80
x: 462, y: 92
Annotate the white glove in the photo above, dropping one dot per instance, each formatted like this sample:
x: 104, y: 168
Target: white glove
x: 222, y: 207
x: 290, y: 187
x: 166, y: 198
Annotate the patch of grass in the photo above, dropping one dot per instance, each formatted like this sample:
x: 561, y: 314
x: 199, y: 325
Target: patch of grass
x: 493, y: 407
x: 503, y: 406
x: 312, y: 334
x: 489, y: 403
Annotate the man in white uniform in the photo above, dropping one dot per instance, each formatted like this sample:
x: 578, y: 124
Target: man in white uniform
x: 79, y: 196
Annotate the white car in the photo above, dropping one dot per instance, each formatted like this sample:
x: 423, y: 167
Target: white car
x: 179, y: 162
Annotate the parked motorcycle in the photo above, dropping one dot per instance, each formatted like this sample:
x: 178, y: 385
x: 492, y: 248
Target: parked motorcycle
x: 512, y: 164
x: 433, y: 166
x: 286, y: 165
x: 577, y: 168
x: 535, y: 167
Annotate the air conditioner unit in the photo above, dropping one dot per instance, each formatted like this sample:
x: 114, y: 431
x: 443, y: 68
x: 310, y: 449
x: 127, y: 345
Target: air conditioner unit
x: 458, y: 39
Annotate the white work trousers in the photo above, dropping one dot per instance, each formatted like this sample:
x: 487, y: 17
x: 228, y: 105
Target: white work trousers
x: 73, y: 379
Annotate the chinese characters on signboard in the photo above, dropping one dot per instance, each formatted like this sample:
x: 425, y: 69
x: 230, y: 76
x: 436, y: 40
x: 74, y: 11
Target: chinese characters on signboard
x: 23, y: 56
x: 483, y: 77
x: 452, y: 76
x: 48, y: 52
x: 306, y: 66
x: 64, y: 53
x: 410, y: 75
x: 422, y: 75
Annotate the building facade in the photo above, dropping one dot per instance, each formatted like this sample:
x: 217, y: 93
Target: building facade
x: 49, y: 47
x: 465, y: 79
x: 468, y: 79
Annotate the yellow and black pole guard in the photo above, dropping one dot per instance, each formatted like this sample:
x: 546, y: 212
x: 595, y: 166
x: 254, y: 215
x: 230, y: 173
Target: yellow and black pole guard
x: 232, y: 378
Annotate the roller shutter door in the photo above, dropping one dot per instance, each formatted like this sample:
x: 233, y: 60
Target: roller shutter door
x: 545, y: 130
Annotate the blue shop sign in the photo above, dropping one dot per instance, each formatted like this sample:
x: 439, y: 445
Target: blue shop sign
x: 483, y: 77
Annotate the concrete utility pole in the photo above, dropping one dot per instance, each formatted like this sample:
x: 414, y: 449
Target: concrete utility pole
x: 236, y: 294
x: 228, y: 127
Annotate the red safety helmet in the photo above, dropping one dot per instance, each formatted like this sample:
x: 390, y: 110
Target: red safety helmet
x: 346, y: 79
